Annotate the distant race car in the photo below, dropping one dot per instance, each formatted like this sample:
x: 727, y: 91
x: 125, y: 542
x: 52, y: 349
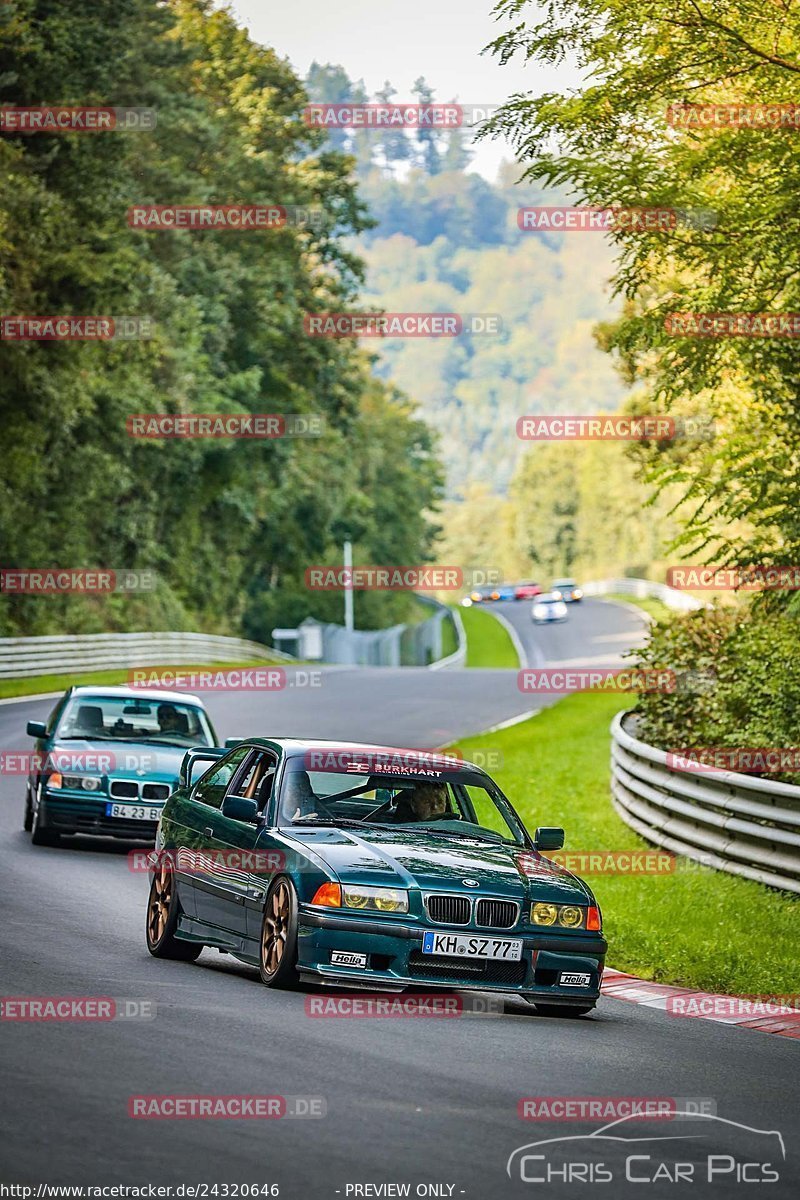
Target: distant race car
x: 486, y: 595
x: 548, y: 607
x: 362, y: 866
x: 502, y: 591
x: 567, y: 590
x: 527, y: 591
x: 107, y: 758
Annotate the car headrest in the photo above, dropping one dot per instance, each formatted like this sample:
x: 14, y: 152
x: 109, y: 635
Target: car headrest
x: 90, y: 716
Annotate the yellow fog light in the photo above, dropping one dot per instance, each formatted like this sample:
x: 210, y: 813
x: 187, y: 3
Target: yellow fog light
x: 544, y: 914
x: 570, y: 916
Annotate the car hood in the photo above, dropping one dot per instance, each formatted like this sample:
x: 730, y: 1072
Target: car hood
x: 386, y: 858
x: 119, y: 760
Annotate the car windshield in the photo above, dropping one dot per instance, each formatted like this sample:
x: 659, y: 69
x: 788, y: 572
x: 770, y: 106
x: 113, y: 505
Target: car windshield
x: 134, y: 719
x: 458, y: 803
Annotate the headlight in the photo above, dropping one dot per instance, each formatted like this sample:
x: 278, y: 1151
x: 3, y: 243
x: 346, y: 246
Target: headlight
x: 577, y: 594
x: 87, y: 783
x: 382, y: 899
x: 569, y: 916
x: 544, y: 914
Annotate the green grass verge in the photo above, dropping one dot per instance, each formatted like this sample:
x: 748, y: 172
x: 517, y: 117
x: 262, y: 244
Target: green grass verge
x: 36, y: 684
x: 488, y: 643
x: 449, y: 638
x: 695, y: 927
x: 658, y: 611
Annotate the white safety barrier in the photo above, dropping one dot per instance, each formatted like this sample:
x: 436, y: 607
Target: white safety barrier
x: 738, y: 823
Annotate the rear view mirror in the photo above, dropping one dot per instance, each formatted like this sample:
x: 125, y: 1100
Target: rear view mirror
x: 239, y: 808
x: 36, y: 729
x: 548, y: 837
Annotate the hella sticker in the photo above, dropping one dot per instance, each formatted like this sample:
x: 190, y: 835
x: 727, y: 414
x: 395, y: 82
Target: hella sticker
x: 345, y: 958
x: 574, y: 979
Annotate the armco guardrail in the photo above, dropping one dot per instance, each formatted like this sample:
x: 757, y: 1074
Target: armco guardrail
x: 644, y: 588
x: 62, y: 654
x: 737, y: 823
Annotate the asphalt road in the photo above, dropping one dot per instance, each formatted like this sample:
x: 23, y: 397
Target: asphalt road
x: 417, y: 1101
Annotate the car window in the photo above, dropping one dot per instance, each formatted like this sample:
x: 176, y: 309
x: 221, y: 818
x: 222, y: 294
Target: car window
x: 455, y: 802
x: 211, y: 787
x: 254, y: 782
x: 121, y: 718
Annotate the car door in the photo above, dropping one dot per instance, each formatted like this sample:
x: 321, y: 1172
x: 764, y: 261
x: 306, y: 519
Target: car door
x: 193, y: 819
x: 222, y: 893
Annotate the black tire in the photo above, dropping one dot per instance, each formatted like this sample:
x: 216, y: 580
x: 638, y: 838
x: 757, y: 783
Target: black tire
x: 163, y: 910
x: 40, y: 834
x: 277, y: 958
x: 563, y: 1010
x: 27, y: 824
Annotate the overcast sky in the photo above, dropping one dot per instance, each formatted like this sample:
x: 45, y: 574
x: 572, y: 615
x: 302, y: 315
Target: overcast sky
x: 400, y: 40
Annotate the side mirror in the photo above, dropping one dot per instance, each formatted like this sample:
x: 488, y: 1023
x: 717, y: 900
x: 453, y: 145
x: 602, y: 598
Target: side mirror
x: 238, y: 808
x: 36, y: 729
x: 230, y: 743
x: 548, y: 837
x: 203, y: 754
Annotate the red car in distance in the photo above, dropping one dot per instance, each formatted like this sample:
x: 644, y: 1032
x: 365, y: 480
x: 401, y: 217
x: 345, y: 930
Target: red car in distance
x: 527, y: 591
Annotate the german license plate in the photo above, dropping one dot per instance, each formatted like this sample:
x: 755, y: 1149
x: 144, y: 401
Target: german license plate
x: 134, y: 812
x: 457, y: 945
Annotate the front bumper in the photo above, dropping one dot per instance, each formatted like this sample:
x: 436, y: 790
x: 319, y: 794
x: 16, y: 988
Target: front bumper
x: 395, y: 960
x: 73, y: 814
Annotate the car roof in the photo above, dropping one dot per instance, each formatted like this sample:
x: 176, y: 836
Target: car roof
x: 293, y: 747
x: 161, y: 695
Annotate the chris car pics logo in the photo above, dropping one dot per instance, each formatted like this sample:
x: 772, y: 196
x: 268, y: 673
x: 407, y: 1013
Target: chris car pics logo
x: 693, y: 1148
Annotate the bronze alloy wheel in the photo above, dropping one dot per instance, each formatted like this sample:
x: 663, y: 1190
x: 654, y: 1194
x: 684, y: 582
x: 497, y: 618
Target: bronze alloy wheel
x: 279, y: 935
x: 163, y: 911
x: 159, y: 905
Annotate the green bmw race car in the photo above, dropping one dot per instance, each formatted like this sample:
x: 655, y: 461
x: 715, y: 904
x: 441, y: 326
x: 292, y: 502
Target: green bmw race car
x: 336, y: 863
